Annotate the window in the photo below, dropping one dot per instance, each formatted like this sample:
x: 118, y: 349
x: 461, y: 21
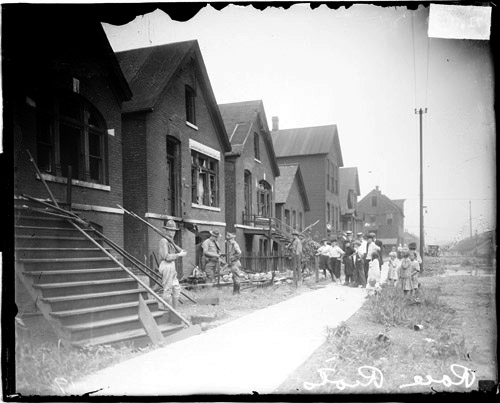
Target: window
x: 332, y: 186
x: 374, y: 201
x: 373, y: 219
x: 71, y: 132
x: 300, y: 221
x: 350, y: 197
x: 248, y: 193
x: 328, y: 214
x: 327, y: 174
x: 264, y: 199
x: 173, y: 181
x: 294, y: 219
x: 204, y: 180
x: 287, y: 218
x: 190, y: 105
x: 389, y: 218
x: 336, y: 170
x: 256, y: 146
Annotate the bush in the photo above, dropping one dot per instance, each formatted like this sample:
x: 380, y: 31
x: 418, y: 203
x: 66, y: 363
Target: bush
x: 392, y: 308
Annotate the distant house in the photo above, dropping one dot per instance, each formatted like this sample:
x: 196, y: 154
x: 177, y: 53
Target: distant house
x: 251, y: 171
x: 317, y: 151
x: 383, y: 216
x: 174, y: 142
x: 349, y: 192
x: 292, y: 202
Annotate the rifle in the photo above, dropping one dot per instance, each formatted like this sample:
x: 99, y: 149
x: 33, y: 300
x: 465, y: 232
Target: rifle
x: 169, y: 239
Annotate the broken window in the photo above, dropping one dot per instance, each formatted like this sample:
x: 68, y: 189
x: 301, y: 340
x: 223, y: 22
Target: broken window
x: 71, y: 132
x: 204, y: 180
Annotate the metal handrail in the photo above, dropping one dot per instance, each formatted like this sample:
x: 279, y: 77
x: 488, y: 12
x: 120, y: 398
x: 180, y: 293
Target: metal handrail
x: 72, y: 217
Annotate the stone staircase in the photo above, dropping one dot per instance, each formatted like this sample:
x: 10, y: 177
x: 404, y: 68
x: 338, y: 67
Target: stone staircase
x: 86, y: 297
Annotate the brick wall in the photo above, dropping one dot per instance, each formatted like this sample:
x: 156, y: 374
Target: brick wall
x: 95, y: 89
x: 169, y: 119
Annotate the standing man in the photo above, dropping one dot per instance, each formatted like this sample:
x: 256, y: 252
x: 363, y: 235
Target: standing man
x: 212, y: 253
x: 358, y: 262
x: 169, y: 253
x: 296, y: 250
x: 324, y: 257
x: 362, y: 243
x: 233, y: 260
x: 336, y: 254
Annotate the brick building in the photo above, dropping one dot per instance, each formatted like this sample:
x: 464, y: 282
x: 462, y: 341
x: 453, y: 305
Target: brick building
x: 291, y: 200
x: 251, y: 171
x: 383, y: 216
x: 174, y: 142
x: 317, y: 151
x: 349, y: 192
x: 63, y: 92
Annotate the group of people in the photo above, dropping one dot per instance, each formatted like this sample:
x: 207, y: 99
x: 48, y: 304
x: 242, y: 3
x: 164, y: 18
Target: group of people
x: 170, y: 252
x: 361, y: 258
x: 363, y: 263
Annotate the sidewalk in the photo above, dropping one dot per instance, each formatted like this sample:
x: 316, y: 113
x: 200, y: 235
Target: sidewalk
x: 256, y: 352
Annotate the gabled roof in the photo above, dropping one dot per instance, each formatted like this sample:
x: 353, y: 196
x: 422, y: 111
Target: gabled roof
x: 307, y: 141
x: 149, y: 72
x: 397, y: 205
x: 283, y: 184
x: 243, y: 118
x: 348, y: 179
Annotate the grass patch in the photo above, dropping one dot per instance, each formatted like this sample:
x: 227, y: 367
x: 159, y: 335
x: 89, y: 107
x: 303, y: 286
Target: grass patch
x: 43, y: 368
x: 393, y: 308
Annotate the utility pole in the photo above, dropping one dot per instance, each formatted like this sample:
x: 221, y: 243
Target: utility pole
x: 420, y: 112
x: 470, y: 217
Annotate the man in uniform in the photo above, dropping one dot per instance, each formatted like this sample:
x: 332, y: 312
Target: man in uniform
x: 233, y: 260
x: 169, y: 253
x: 296, y: 250
x: 212, y: 253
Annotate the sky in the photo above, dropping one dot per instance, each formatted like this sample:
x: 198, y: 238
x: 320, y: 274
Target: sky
x: 365, y: 69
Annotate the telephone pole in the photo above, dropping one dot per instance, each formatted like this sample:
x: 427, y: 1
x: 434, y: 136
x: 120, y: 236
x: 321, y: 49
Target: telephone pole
x: 420, y: 112
x: 470, y: 217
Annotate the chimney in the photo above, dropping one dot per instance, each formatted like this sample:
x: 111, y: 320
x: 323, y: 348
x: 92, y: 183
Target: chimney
x: 376, y: 187
x: 276, y: 124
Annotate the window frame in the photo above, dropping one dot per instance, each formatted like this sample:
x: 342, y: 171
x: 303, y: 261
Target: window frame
x: 190, y: 104
x: 389, y: 217
x: 210, y: 181
x: 264, y: 192
x: 51, y: 110
x: 256, y: 146
x: 374, y: 201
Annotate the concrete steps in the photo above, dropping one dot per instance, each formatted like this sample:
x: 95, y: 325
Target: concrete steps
x: 91, y: 299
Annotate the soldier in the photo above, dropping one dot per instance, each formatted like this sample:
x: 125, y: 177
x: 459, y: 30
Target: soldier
x: 169, y: 253
x: 296, y: 249
x: 212, y: 254
x: 233, y: 260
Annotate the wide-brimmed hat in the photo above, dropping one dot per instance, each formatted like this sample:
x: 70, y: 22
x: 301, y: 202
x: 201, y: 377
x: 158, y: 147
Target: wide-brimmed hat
x: 359, y: 234
x: 348, y: 232
x: 215, y: 233
x: 170, y: 225
x: 229, y: 235
x: 412, y: 245
x: 324, y: 240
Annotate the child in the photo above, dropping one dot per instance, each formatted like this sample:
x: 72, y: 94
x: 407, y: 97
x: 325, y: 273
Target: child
x: 414, y: 270
x: 373, y: 286
x: 392, y: 268
x: 404, y: 272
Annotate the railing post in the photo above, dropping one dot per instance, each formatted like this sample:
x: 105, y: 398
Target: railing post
x: 69, y: 187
